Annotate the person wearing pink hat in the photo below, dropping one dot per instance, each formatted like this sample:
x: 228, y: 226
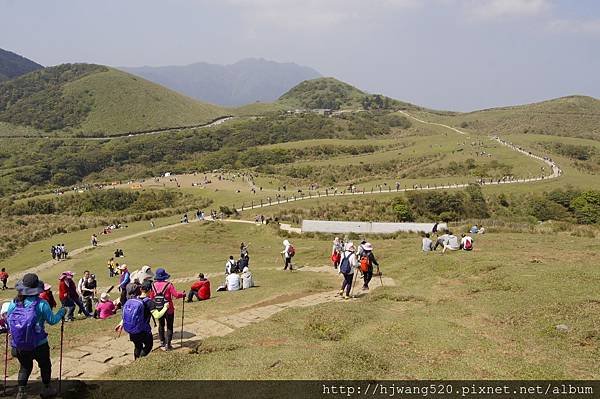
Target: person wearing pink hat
x: 67, y: 293
x: 48, y: 296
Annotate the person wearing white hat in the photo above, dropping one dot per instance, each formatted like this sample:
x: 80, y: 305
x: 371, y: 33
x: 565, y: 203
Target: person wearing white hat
x: 367, y: 260
x: 288, y: 253
x: 347, y: 266
x: 105, y: 308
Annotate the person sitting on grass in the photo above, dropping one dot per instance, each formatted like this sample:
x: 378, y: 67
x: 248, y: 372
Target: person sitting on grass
x: 247, y: 280
x: 474, y: 229
x: 466, y: 242
x: 200, y: 289
x: 441, y: 240
x: 105, y: 308
x: 452, y: 243
x: 136, y: 318
x: 29, y: 341
x: 427, y: 243
x: 233, y: 282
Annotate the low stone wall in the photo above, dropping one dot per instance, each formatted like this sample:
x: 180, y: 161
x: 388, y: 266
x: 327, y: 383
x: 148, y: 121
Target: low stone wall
x: 331, y: 226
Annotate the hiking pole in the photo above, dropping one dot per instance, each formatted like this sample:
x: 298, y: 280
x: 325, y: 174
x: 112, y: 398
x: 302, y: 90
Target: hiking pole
x: 380, y: 278
x: 62, y: 335
x: 5, y: 363
x: 182, y: 316
x: 354, y: 278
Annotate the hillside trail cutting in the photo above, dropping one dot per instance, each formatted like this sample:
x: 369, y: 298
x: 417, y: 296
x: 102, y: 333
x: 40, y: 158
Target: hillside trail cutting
x: 554, y: 168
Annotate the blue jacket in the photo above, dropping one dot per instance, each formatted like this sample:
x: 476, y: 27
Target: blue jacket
x: 43, y: 311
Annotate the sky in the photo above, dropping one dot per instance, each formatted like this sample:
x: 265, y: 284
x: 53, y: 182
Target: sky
x: 446, y: 54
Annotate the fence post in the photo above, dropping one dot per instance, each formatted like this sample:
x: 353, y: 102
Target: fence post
x: 261, y: 204
x: 252, y: 203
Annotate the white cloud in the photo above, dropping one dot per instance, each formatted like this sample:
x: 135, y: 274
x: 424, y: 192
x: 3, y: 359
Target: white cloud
x: 507, y: 8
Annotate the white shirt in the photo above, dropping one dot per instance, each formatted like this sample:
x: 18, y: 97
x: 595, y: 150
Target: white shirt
x: 233, y: 282
x: 247, y: 281
x: 453, y: 242
x: 230, y: 263
x: 351, y: 258
x: 427, y: 244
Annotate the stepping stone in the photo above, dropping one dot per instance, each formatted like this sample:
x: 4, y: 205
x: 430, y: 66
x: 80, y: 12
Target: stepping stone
x: 101, y: 357
x: 77, y: 354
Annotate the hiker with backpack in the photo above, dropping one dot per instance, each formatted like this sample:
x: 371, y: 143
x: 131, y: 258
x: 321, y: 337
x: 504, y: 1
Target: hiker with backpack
x: 348, y: 264
x: 466, y: 242
x: 288, y: 253
x: 367, y: 260
x: 4, y: 278
x: 124, y: 279
x: 68, y: 296
x: 136, y: 318
x: 230, y: 266
x: 29, y: 340
x: 162, y: 293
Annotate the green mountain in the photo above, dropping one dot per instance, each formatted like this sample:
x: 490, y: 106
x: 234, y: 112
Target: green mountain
x: 331, y: 93
x: 573, y: 116
x: 13, y: 65
x: 88, y: 99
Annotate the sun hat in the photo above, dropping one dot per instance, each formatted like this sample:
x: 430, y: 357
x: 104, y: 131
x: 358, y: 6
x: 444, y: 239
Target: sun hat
x: 161, y: 274
x: 30, y: 285
x: 349, y: 246
x: 122, y: 267
x: 68, y: 274
x: 104, y: 297
x: 368, y: 246
x: 286, y: 242
x: 245, y: 269
x: 47, y: 286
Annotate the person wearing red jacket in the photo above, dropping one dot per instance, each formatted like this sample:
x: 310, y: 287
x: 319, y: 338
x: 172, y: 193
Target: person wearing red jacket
x: 165, y: 289
x: 68, y: 296
x: 48, y: 296
x: 200, y: 289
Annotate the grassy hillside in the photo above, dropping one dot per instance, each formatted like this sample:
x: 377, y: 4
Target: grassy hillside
x: 89, y: 99
x: 13, y: 65
x: 573, y: 116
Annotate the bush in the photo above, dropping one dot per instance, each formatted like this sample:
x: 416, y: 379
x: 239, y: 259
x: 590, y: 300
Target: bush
x: 586, y: 207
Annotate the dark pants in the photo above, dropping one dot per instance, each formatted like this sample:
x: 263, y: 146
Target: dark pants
x: 88, y: 303
x: 288, y: 262
x: 193, y: 294
x: 70, y: 303
x: 347, y: 284
x: 143, y: 344
x: 41, y: 355
x: 367, y: 276
x: 438, y: 243
x: 167, y: 320
x: 123, y: 298
x: 4, y: 284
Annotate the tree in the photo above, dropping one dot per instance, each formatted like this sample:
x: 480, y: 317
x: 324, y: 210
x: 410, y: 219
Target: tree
x: 587, y: 207
x: 403, y: 213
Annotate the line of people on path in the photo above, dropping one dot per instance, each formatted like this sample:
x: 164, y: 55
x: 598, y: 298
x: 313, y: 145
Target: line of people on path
x: 59, y: 252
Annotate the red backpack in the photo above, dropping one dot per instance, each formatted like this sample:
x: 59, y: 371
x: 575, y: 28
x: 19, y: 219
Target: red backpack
x: 291, y: 251
x: 365, y: 263
x: 468, y: 245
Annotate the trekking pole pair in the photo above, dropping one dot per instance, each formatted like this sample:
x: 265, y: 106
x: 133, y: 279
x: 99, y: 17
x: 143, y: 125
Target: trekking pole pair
x: 182, y: 316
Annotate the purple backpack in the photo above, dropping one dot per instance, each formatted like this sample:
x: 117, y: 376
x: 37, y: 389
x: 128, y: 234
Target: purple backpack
x: 134, y: 320
x: 25, y: 330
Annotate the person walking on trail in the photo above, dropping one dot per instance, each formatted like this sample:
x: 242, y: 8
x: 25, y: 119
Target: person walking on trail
x: 29, y: 340
x: 68, y: 296
x: 336, y: 252
x: 162, y: 294
x: 124, y: 279
x: 48, y: 296
x: 136, y: 318
x: 367, y: 261
x: 348, y: 264
x: 105, y: 308
x: 230, y: 265
x: 288, y: 253
x: 4, y: 278
x: 199, y: 289
x: 138, y: 277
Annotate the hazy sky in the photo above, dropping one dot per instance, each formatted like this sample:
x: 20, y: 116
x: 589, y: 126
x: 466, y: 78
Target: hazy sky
x: 449, y: 54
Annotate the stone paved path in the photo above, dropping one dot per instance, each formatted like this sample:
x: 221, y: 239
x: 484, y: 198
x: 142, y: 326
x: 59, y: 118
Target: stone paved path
x: 91, y: 361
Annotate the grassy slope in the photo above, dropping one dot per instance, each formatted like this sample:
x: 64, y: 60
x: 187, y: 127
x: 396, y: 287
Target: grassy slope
x: 124, y: 103
x: 575, y: 116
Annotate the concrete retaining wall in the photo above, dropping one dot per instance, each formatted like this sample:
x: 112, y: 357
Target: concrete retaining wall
x: 327, y: 226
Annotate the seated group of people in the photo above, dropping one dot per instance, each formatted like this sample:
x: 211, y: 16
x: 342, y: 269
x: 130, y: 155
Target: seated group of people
x: 448, y: 242
x: 237, y: 274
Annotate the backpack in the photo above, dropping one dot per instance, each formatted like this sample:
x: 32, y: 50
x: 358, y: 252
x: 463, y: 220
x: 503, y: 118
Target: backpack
x: 24, y: 328
x: 468, y: 245
x: 291, y: 251
x: 159, y: 297
x: 134, y: 311
x: 345, y: 267
x: 365, y: 263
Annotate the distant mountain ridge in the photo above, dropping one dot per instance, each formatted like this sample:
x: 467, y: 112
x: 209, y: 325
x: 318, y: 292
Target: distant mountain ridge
x: 14, y: 65
x: 244, y: 82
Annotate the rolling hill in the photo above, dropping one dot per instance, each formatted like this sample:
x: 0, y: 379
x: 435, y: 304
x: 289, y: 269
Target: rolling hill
x: 13, y: 65
x: 572, y: 116
x: 247, y: 81
x: 87, y: 99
